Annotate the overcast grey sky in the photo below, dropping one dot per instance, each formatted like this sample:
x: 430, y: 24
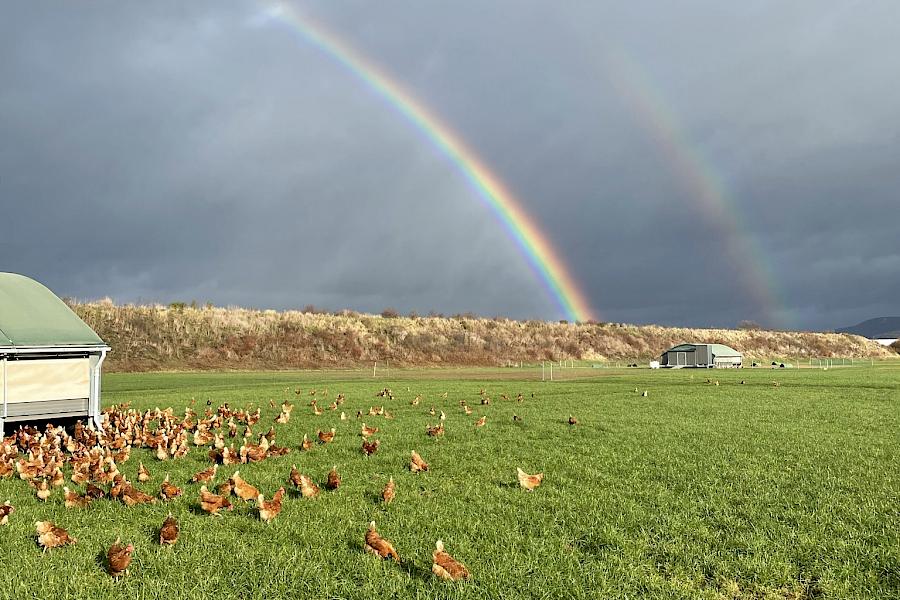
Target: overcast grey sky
x: 200, y: 151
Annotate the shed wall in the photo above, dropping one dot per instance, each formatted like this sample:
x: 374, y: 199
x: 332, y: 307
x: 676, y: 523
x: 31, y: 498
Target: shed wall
x: 702, y: 355
x: 681, y: 358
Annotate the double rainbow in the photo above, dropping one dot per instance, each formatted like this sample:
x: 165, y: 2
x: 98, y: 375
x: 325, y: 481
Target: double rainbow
x: 533, y: 244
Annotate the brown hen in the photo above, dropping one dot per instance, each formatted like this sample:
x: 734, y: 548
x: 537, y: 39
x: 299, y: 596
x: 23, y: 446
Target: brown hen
x: 529, y: 482
x: 370, y: 448
x: 168, y: 491
x: 225, y: 488
x: 334, y: 479
x: 206, y: 475
x: 416, y: 463
x: 307, y: 488
x: 242, y: 489
x: 387, y: 494
x: 93, y: 492
x: 377, y: 545
x: 132, y: 496
x: 445, y: 566
x: 6, y: 510
x: 268, y: 510
x: 51, y: 536
x: 168, y: 533
x: 326, y: 436
x: 42, y: 489
x: 213, y: 503
x: 118, y: 557
x: 74, y: 499
x: 294, y: 477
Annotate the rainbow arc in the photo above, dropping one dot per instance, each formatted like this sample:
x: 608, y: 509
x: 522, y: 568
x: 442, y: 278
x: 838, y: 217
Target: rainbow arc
x: 533, y: 244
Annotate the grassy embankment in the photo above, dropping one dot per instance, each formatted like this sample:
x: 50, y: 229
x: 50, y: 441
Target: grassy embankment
x: 153, y: 338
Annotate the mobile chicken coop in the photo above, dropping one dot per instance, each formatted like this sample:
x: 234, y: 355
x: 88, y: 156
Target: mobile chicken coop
x: 49, y: 358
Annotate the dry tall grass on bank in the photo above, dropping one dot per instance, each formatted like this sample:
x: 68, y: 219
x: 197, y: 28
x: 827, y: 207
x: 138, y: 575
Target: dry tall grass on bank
x: 159, y: 338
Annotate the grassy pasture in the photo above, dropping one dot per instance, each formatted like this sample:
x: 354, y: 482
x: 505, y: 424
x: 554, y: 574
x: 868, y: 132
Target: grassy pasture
x: 696, y: 491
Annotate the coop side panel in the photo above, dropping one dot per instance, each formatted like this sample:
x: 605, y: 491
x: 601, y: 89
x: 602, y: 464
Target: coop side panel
x: 47, y: 380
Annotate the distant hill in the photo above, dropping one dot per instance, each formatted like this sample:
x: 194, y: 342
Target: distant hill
x: 881, y: 327
x: 181, y: 337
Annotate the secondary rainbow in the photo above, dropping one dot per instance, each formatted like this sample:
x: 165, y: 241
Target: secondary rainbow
x: 700, y: 179
x: 531, y: 241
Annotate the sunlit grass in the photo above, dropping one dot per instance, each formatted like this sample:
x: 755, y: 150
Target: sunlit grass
x: 696, y: 491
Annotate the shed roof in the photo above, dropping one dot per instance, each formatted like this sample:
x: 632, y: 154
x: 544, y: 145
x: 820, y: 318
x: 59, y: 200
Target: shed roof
x: 682, y: 348
x: 32, y: 315
x: 723, y: 350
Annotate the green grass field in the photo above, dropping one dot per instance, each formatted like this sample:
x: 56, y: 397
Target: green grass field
x: 696, y: 491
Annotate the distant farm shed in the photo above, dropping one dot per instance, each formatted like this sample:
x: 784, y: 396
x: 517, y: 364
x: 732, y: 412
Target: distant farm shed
x: 49, y: 358
x: 701, y: 355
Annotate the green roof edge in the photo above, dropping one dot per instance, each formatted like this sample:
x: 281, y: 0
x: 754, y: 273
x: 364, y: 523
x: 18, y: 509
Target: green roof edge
x: 31, y: 315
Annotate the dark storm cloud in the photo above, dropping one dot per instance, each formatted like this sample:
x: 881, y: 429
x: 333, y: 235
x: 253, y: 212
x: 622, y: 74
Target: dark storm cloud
x: 177, y: 151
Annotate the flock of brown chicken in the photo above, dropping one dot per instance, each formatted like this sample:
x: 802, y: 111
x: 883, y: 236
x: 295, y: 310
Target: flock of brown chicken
x: 38, y: 457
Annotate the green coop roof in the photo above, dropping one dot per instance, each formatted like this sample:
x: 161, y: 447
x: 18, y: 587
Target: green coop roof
x: 31, y: 315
